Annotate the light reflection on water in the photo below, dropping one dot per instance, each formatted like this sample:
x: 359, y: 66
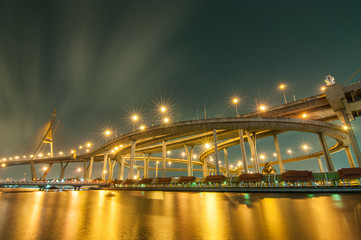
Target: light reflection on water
x: 176, y: 215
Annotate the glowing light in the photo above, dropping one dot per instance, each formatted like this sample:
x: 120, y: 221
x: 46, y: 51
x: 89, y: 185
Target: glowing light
x: 305, y: 147
x: 107, y: 132
x: 142, y: 127
x: 40, y: 155
x: 112, y: 151
x: 207, y: 145
x: 87, y: 150
x: 45, y: 168
x: 163, y: 109
x: 116, y: 148
x: 48, y: 154
x: 282, y: 86
x: 120, y: 145
x: 166, y: 120
x: 61, y: 153
x: 345, y: 127
x: 3, y: 165
x: 304, y: 115
x: 72, y: 151
x: 168, y: 152
x: 169, y: 163
x: 104, y: 171
x: 211, y: 159
x: 194, y: 156
x: 323, y: 88
x: 31, y: 156
x: 24, y: 156
x: 16, y: 157
x: 275, y: 154
x: 80, y: 147
x: 157, y: 162
x: 88, y: 144
x: 262, y: 108
x: 251, y: 158
x: 11, y: 158
x: 235, y: 100
x: 262, y: 156
x: 231, y: 166
x: 135, y: 118
x: 183, y: 154
x: 135, y: 177
x: 289, y: 151
x: 78, y: 170
x: 4, y: 159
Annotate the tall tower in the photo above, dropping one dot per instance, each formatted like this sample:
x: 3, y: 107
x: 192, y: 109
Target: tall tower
x: 48, y: 139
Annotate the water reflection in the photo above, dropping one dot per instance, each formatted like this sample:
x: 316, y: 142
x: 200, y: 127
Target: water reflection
x: 177, y: 215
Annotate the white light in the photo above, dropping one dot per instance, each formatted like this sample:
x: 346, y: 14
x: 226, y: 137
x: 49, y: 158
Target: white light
x: 207, y: 145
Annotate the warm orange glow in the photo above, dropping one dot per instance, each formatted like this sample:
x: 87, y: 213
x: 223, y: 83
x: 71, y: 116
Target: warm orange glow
x: 45, y: 168
x: 61, y: 153
x: 345, y: 127
x: 142, y: 127
x: 262, y: 108
x: 78, y: 170
x: 166, y: 120
x: 304, y: 115
x: 163, y: 109
x: 262, y: 156
x: 207, y: 145
x: 305, y: 147
x: 107, y: 132
x: 235, y: 100
x: 135, y: 118
x: 3, y: 165
x: 88, y: 144
x: 282, y: 86
x: 323, y: 88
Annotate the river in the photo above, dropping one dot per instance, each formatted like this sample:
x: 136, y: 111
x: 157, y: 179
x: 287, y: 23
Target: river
x: 102, y: 215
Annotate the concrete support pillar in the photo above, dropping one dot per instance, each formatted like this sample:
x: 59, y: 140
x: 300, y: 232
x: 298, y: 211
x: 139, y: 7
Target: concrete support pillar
x: 32, y: 169
x: 105, y: 162
x: 216, y: 158
x: 164, y: 158
x: 146, y: 165
x: 278, y: 152
x: 353, y: 141
x: 45, y: 174
x: 205, y: 173
x: 326, y: 152
x: 62, y: 170
x: 226, y: 161
x: 132, y: 160
x: 349, y: 157
x: 138, y: 172
x: 252, y: 146
x: 90, y: 168
x: 189, y: 158
x: 85, y: 172
x: 111, y: 169
x: 122, y: 164
x: 243, y: 150
x: 320, y: 164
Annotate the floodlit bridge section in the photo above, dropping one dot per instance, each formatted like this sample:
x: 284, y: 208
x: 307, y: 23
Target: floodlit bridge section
x: 311, y: 115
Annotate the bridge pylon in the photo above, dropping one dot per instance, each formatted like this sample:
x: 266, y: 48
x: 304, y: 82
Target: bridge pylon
x: 47, y: 139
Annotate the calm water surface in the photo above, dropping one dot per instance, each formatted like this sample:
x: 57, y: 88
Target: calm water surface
x: 176, y: 215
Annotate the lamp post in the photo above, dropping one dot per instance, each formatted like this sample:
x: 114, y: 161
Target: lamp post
x: 235, y: 101
x: 283, y: 87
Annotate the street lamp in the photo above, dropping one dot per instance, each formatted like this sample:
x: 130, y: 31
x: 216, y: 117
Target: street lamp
x: 107, y: 132
x: 166, y: 120
x: 282, y: 87
x: 289, y: 151
x: 78, y: 170
x: 235, y: 101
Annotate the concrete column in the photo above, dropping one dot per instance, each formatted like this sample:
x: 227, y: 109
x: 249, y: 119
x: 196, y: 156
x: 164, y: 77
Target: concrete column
x: 146, y: 165
x: 62, y: 170
x: 252, y: 146
x: 326, y: 152
x: 226, y: 161
x: 104, y: 171
x: 243, y: 150
x: 164, y: 158
x: 205, y: 174
x: 85, y: 172
x: 121, y: 177
x: 278, y: 152
x: 353, y: 141
x: 138, y: 170
x: 111, y: 169
x: 320, y: 164
x: 349, y: 157
x: 189, y: 158
x: 216, y: 158
x: 90, y: 168
x: 132, y: 160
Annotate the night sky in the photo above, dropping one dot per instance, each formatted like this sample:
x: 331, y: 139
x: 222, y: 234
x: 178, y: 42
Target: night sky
x: 97, y: 61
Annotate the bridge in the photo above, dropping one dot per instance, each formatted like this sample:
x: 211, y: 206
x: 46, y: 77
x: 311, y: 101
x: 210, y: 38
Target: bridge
x: 311, y: 115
